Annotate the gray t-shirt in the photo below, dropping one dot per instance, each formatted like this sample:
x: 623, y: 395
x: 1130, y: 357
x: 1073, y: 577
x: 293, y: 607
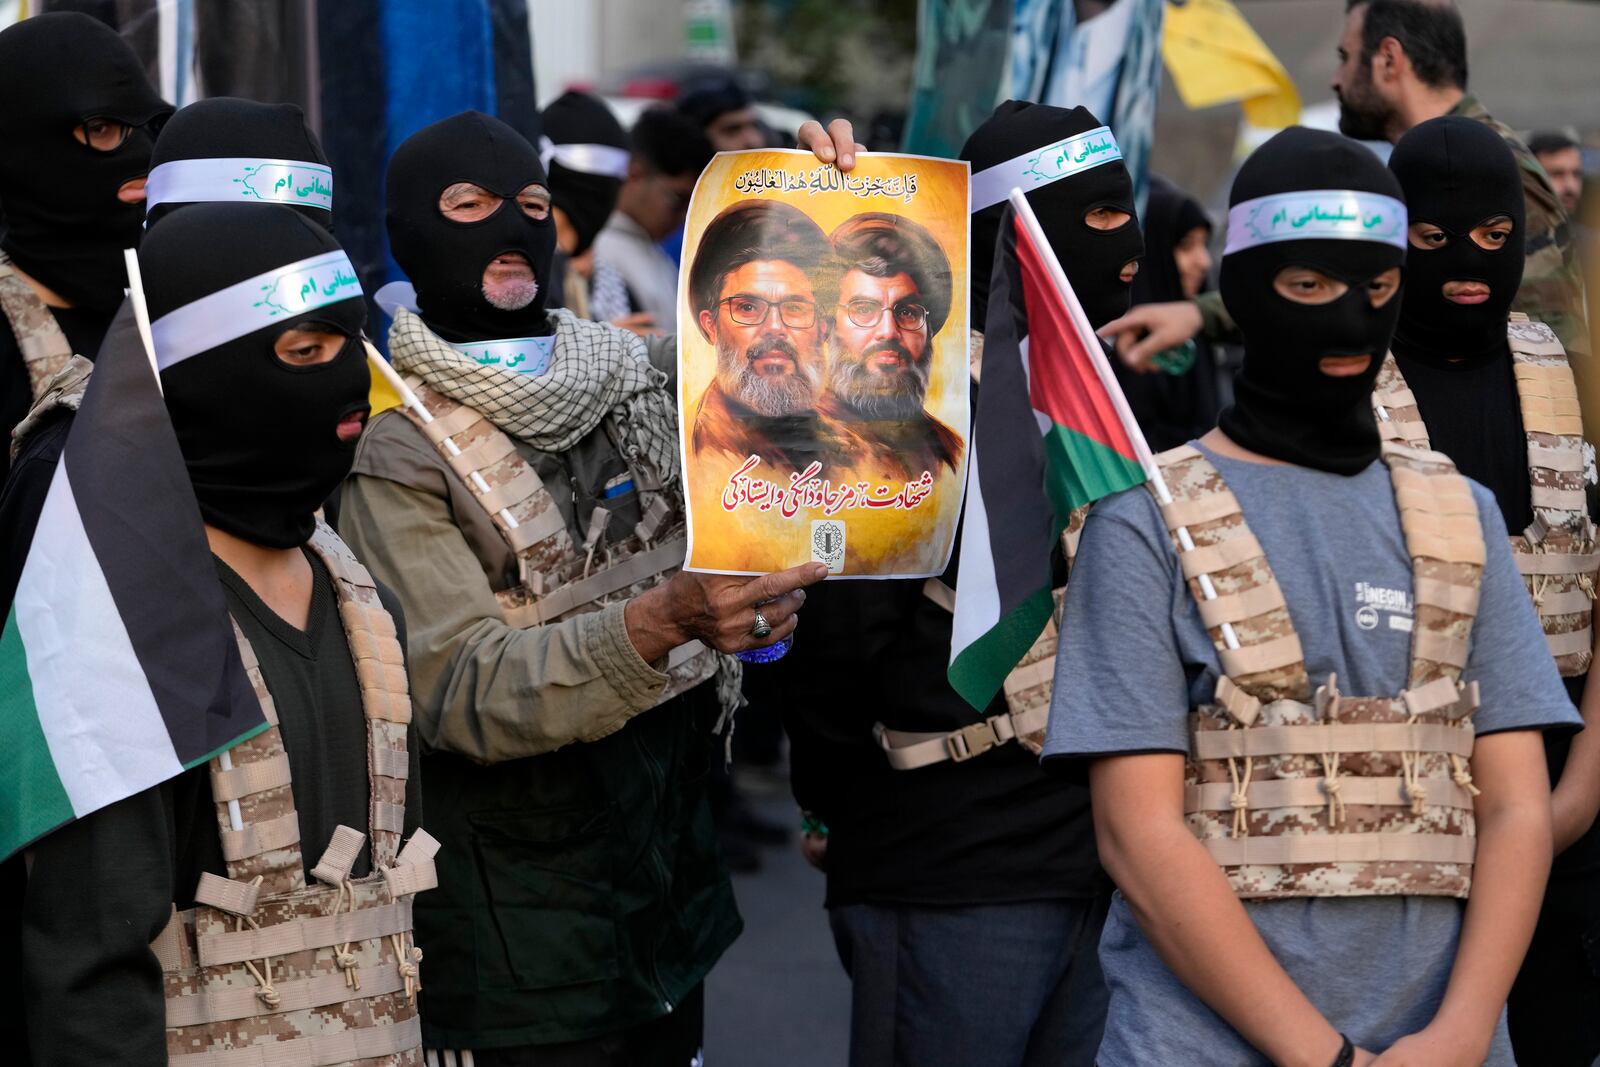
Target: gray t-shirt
x: 1135, y: 657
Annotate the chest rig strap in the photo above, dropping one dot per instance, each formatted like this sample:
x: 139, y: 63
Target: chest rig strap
x: 45, y: 349
x: 1301, y: 793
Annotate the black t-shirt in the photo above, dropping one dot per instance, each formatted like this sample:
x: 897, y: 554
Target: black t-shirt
x: 993, y: 829
x: 84, y: 329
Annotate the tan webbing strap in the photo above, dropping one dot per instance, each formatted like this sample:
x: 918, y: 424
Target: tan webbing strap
x: 1455, y: 550
x: 225, y: 894
x: 1207, y: 507
x: 168, y: 945
x: 1028, y: 675
x: 1208, y: 559
x: 391, y: 762
x: 940, y: 594
x: 260, y: 837
x: 222, y: 1004
x: 1397, y: 398
x: 323, y: 1050
x: 1408, y: 430
x: 322, y: 931
x: 908, y: 751
x: 390, y: 817
x: 1265, y: 656
x: 1173, y: 456
x: 1567, y: 602
x: 485, y: 452
x: 1556, y: 562
x: 44, y: 346
x: 1548, y: 496
x: 1438, y: 648
x: 534, y: 529
x: 523, y: 485
x: 1438, y: 494
x: 1460, y: 599
x: 1333, y: 737
x: 458, y: 418
x: 1310, y: 793
x: 1245, y: 604
x: 588, y: 590
x: 248, y: 778
x: 340, y: 856
x: 1439, y: 694
x: 1282, y: 849
x: 1564, y: 459
x: 1572, y: 642
x: 413, y: 870
x: 1244, y: 708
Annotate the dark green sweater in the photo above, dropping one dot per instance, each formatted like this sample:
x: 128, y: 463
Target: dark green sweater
x: 100, y: 890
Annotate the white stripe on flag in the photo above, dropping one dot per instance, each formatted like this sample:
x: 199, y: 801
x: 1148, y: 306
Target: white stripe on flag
x: 100, y: 719
x: 977, y: 594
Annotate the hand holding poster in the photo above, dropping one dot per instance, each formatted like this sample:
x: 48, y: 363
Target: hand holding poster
x: 822, y: 366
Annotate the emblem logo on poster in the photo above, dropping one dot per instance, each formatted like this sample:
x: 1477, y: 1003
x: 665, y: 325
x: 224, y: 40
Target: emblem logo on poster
x: 827, y: 544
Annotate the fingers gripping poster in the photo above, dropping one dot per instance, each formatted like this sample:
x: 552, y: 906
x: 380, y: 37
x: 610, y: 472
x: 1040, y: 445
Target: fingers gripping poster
x: 822, y: 364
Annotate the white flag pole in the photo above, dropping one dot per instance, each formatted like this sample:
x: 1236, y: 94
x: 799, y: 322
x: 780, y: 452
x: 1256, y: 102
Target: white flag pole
x: 141, y: 317
x: 1108, y: 380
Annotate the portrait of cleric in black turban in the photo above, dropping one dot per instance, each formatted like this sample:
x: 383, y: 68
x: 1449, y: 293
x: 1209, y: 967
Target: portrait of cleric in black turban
x: 760, y: 288
x: 894, y: 294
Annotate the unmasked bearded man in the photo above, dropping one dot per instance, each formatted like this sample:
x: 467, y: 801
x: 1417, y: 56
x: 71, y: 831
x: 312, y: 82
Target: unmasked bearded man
x: 529, y: 516
x: 78, y: 124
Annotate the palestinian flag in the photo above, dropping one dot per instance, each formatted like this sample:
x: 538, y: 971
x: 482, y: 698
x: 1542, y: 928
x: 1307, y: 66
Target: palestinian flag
x: 1051, y: 432
x: 118, y: 664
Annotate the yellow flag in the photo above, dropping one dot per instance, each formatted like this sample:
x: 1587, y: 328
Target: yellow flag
x: 1216, y: 58
x: 382, y: 395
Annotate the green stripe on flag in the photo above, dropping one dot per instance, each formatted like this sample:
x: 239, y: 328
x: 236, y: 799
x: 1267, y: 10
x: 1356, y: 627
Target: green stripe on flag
x: 34, y: 801
x: 1079, y: 470
x: 980, y: 669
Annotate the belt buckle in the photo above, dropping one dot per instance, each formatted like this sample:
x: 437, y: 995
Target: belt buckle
x: 970, y: 741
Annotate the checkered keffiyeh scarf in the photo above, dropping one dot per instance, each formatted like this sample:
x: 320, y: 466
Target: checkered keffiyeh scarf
x: 596, y: 372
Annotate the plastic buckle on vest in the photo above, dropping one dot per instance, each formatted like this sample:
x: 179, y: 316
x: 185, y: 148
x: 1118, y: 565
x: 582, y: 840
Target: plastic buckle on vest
x: 970, y: 741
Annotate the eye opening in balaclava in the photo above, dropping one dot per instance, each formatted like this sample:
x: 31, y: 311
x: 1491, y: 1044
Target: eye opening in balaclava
x: 1313, y: 199
x: 446, y: 260
x: 228, y: 150
x: 64, y: 224
x: 264, y: 441
x: 1012, y: 141
x: 1457, y: 175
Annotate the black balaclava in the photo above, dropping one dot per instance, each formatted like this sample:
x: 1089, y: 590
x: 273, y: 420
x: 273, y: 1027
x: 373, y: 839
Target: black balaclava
x: 585, y: 188
x: 1169, y: 215
x: 1458, y: 173
x: 63, y: 222
x: 259, y: 138
x: 445, y: 260
x: 258, y: 436
x: 1093, y: 259
x: 1284, y: 406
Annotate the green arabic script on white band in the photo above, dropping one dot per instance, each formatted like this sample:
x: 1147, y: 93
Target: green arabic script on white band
x: 1316, y: 215
x: 266, y: 181
x: 1038, y: 167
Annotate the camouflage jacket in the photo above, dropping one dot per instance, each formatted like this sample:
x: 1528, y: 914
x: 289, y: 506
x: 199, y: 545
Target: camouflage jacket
x: 1552, y: 283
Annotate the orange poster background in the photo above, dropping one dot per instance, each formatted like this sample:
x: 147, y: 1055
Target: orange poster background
x: 878, y: 542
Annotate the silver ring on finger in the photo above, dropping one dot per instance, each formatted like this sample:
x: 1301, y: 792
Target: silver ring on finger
x: 762, y: 629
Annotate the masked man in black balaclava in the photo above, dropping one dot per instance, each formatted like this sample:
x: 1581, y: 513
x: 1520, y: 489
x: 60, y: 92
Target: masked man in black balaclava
x: 257, y: 330
x: 1311, y: 724
x: 1500, y: 401
x: 586, y: 152
x: 962, y: 881
x: 528, y: 511
x: 75, y: 136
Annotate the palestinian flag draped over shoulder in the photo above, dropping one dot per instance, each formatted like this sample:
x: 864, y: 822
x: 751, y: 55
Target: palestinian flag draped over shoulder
x: 1051, y: 432
x: 118, y: 664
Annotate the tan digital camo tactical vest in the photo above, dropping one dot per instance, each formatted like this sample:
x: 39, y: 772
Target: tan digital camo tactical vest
x: 558, y: 577
x: 45, y: 349
x: 267, y: 970
x: 1298, y: 792
x: 1556, y: 554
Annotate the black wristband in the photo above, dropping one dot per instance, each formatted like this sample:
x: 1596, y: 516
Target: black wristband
x: 1347, y: 1053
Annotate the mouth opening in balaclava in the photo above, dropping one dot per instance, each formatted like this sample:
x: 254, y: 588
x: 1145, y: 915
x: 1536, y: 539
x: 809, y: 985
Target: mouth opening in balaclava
x: 63, y: 222
x: 587, y: 156
x: 261, y: 438
x: 1458, y: 174
x: 1308, y: 198
x: 446, y: 259
x: 1068, y: 164
x: 227, y: 150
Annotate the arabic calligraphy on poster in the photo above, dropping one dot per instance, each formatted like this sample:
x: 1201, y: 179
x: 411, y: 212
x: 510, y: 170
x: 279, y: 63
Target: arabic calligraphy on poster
x: 822, y: 363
